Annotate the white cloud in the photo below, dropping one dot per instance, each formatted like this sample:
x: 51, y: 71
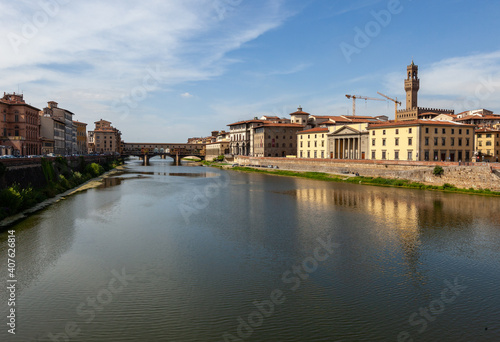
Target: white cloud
x: 459, y: 83
x: 93, y: 51
x: 186, y: 95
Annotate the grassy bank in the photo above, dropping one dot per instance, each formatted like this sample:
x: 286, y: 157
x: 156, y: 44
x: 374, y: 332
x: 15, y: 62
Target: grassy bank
x: 378, y: 181
x: 214, y: 163
x: 59, y: 178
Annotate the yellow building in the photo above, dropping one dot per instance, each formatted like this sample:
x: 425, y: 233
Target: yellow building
x: 421, y: 140
x: 313, y: 143
x: 81, y: 137
x: 488, y: 145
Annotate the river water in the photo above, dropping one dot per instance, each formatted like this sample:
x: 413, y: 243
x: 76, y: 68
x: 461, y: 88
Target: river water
x: 189, y: 253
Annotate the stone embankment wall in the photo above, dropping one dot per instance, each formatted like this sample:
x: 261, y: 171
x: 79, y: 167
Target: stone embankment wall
x: 462, y: 175
x: 28, y: 171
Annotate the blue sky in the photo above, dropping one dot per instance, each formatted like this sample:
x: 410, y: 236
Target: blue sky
x: 163, y: 71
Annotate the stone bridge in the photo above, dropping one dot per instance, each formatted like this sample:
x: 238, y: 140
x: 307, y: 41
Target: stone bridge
x: 146, y: 151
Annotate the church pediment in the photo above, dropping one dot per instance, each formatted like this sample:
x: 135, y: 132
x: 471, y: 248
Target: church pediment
x: 345, y: 130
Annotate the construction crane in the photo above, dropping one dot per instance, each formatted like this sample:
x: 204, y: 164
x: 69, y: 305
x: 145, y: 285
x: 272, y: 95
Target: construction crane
x: 396, y: 102
x: 354, y: 97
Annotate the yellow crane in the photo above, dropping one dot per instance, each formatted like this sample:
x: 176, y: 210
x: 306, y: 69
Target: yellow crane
x: 354, y: 97
x: 396, y: 103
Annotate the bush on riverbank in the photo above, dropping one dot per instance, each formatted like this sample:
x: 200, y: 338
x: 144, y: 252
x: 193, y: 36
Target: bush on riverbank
x: 60, y: 178
x: 378, y: 181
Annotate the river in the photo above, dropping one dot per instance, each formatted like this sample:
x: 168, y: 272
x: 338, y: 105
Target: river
x: 190, y: 253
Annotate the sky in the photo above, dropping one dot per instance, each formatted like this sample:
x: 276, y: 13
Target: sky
x: 164, y: 71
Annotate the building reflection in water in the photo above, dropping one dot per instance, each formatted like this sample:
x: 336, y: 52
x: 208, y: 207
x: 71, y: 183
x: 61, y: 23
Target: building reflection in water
x: 404, y: 218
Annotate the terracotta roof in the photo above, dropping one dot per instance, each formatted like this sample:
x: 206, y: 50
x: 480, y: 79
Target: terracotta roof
x: 418, y: 122
x: 273, y: 124
x: 246, y: 121
x: 315, y: 130
x: 487, y: 130
x: 478, y: 117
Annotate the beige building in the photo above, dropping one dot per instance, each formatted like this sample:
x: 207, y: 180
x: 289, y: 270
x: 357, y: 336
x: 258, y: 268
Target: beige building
x: 104, y: 138
x: 487, y: 145
x: 219, y: 147
x: 313, y: 143
x: 421, y: 140
x: 275, y: 139
x: 52, y: 131
x: 349, y: 141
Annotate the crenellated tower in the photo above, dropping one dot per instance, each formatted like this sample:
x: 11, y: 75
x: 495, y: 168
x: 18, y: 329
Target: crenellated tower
x: 412, y: 84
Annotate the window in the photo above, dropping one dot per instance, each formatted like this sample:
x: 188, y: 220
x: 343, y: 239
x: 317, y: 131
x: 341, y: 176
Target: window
x: 373, y: 142
x: 459, y: 141
x: 410, y: 141
x: 322, y: 144
x: 426, y: 155
x: 426, y: 129
x: 488, y: 135
x: 308, y: 154
x: 315, y: 154
x: 383, y: 142
x: 396, y: 141
x: 453, y: 131
x: 315, y: 144
x: 467, y: 142
x: 16, y: 118
x: 383, y: 132
x: 300, y: 154
x: 435, y: 141
x: 396, y: 155
x: 373, y: 132
x: 373, y: 153
x: 459, y: 131
x: 383, y: 155
x: 488, y: 143
x: 301, y: 144
x: 444, y: 130
x: 409, y: 130
x: 410, y: 155
x: 435, y: 131
x: 426, y: 141
x: 308, y: 144
x: 452, y: 141
x: 443, y: 141
x: 467, y: 131
x: 397, y: 131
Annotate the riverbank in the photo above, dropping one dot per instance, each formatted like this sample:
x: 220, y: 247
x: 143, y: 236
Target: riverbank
x: 39, y: 199
x: 377, y: 181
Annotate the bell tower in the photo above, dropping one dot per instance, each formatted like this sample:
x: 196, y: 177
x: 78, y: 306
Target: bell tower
x: 412, y: 84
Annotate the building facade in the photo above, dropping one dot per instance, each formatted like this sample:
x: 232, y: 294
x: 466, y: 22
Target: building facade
x: 487, y: 145
x: 53, y: 110
x: 19, y: 126
x: 421, y: 140
x: 81, y: 137
x: 104, y: 138
x: 275, y: 139
x: 52, y: 129
x: 313, y: 143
